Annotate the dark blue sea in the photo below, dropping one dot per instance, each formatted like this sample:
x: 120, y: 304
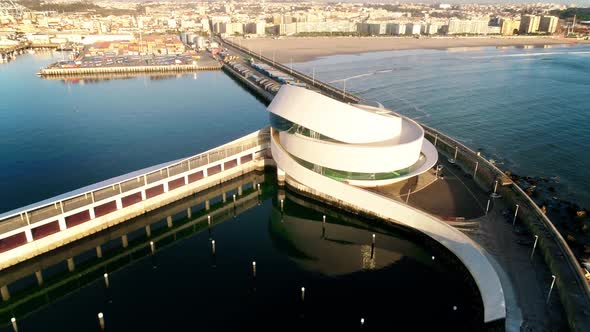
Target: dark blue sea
x: 526, y: 108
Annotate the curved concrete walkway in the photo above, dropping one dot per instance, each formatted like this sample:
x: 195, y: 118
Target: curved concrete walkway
x: 468, y: 252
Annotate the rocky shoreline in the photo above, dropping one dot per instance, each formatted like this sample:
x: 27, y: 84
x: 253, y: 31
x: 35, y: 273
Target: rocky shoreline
x: 571, y: 219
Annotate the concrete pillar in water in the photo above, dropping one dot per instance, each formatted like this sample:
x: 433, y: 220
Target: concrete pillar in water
x: 373, y: 246
x: 101, y: 320
x: 281, y: 175
x: 14, y: 326
x: 98, y: 252
x: 169, y: 221
x: 223, y: 198
x: 207, y: 205
x: 71, y: 265
x: 189, y: 213
x: 240, y: 190
x: 39, y: 277
x: 124, y: 241
x: 148, y: 231
x: 5, y: 293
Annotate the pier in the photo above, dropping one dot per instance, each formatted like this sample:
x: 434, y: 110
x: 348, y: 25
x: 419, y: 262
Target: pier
x: 44, y: 226
x: 188, y: 216
x: 126, y: 70
x: 9, y: 53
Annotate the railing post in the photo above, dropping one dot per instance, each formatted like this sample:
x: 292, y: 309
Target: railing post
x: 29, y: 235
x: 62, y: 223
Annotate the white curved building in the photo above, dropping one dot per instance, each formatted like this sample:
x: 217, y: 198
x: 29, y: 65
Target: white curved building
x: 329, y: 149
x: 357, y: 144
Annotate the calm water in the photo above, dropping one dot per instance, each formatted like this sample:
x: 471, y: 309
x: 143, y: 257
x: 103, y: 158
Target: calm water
x: 57, y: 136
x: 183, y: 287
x: 525, y: 108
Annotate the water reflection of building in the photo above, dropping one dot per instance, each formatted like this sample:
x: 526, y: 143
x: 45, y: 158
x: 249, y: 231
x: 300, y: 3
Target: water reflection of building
x: 334, y: 248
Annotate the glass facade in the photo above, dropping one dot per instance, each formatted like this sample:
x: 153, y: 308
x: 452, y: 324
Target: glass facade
x: 281, y: 124
x: 341, y: 175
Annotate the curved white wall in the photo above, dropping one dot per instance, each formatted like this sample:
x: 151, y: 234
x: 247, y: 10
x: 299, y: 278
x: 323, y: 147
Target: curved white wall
x: 375, y: 158
x: 459, y: 244
x: 332, y: 118
x: 363, y: 139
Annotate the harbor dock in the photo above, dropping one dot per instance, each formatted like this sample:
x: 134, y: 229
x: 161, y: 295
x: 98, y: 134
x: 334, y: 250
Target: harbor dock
x: 127, y: 69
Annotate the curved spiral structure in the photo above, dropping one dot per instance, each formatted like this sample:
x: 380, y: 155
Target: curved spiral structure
x: 357, y: 144
x: 329, y: 149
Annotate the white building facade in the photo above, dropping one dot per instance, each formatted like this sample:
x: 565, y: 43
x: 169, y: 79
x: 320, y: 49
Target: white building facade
x: 357, y: 144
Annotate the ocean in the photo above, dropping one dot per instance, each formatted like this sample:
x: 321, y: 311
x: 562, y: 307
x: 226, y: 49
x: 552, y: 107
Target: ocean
x: 524, y: 107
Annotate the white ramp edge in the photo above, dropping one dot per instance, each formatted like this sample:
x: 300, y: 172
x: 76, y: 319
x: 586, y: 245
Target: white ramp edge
x: 467, y: 251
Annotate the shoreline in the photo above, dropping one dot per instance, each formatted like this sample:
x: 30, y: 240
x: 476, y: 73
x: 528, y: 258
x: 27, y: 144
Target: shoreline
x: 304, y: 49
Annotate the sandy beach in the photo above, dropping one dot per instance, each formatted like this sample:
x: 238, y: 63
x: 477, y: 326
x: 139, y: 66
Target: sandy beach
x: 301, y: 49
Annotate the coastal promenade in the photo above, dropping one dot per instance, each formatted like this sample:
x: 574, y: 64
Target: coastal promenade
x: 573, y: 288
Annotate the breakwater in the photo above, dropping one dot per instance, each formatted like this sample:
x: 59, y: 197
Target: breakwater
x: 256, y: 89
x: 128, y: 69
x: 311, y: 81
x: 574, y: 290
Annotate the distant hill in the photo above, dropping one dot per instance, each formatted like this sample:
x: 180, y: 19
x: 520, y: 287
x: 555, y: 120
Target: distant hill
x: 582, y: 14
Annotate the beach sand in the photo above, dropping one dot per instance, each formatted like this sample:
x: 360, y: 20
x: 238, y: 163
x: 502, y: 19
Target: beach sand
x: 301, y: 49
